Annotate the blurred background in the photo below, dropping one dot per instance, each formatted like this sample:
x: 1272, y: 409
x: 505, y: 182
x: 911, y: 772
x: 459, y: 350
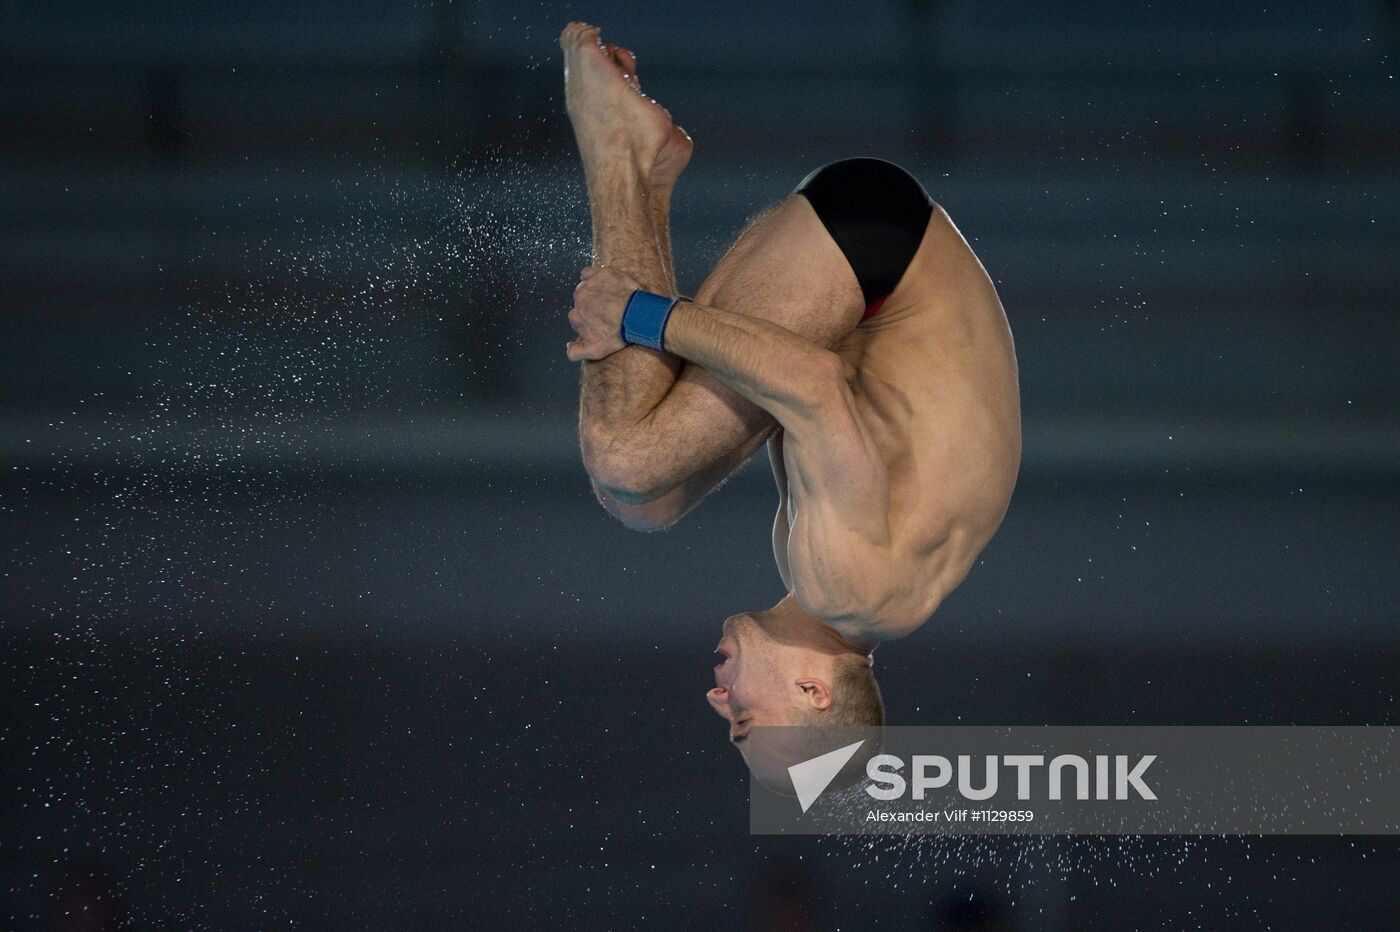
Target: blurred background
x: 309, y: 620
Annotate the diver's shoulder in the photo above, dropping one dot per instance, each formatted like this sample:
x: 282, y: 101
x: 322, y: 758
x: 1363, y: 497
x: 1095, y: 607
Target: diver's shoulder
x: 886, y: 626
x: 904, y: 612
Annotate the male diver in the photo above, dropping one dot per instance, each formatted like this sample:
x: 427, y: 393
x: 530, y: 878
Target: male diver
x: 852, y: 329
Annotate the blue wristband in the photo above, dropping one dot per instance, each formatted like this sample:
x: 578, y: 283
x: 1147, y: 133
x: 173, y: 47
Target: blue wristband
x: 644, y: 320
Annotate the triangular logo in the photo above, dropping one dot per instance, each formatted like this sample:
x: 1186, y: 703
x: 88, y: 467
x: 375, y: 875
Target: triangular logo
x: 811, y: 777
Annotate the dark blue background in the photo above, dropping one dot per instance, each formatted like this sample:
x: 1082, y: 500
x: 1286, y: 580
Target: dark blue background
x: 309, y: 619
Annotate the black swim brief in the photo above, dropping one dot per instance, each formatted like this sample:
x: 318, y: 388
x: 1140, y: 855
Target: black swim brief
x: 877, y: 213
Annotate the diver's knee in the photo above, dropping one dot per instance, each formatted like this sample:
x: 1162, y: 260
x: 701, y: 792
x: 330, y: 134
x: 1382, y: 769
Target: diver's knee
x: 648, y: 518
x: 655, y: 515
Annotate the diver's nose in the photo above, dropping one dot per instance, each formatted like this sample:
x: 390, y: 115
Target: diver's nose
x: 719, y: 700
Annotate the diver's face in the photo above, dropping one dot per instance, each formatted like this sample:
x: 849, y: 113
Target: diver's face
x: 753, y: 682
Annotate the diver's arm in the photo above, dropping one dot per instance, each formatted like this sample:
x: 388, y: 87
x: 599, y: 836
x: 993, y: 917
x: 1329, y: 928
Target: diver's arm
x: 767, y: 364
x: 789, y: 377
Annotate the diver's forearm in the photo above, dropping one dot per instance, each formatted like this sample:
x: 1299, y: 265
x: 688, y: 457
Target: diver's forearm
x: 769, y: 365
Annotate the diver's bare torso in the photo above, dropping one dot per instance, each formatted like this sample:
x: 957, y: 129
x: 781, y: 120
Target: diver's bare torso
x: 933, y: 375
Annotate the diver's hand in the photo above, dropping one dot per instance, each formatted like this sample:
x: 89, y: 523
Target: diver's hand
x: 599, y: 300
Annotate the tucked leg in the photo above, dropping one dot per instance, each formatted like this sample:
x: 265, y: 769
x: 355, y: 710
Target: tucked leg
x: 657, y: 434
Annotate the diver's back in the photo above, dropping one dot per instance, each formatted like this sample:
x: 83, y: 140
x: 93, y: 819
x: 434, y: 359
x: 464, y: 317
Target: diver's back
x: 935, y: 380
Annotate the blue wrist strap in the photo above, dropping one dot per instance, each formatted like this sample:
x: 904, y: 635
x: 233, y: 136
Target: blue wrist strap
x: 644, y: 320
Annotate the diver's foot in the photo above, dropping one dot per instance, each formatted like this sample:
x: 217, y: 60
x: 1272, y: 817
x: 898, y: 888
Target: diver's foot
x: 610, y: 115
x: 674, y: 157
x: 675, y: 154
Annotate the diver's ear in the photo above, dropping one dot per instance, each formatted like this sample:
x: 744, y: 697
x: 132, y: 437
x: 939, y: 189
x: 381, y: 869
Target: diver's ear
x: 815, y: 692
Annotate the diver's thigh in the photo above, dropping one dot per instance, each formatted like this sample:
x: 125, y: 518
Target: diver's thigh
x: 785, y: 268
